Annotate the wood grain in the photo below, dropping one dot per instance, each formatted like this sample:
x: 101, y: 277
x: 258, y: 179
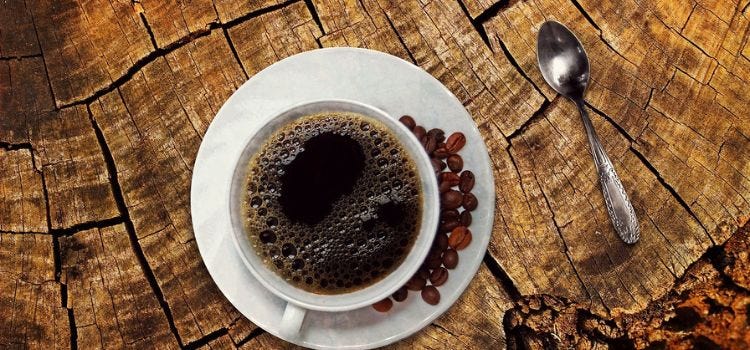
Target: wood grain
x: 78, y: 188
x: 31, y: 314
x: 88, y: 45
x: 108, y: 292
x: 22, y: 205
x: 153, y: 134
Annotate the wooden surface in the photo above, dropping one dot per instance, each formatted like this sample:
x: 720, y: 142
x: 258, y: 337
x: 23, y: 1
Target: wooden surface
x: 103, y: 105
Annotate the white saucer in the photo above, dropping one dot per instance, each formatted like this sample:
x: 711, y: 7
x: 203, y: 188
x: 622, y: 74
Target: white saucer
x: 371, y: 77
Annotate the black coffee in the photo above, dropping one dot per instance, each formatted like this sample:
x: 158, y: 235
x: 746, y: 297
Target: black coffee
x: 333, y: 202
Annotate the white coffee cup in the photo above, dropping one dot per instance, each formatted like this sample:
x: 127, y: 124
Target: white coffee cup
x: 299, y: 300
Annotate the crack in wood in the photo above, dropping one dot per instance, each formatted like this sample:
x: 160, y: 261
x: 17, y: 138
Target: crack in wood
x: 73, y: 330
x: 586, y: 15
x: 11, y: 58
x: 446, y: 330
x: 234, y: 53
x: 601, y: 34
x: 653, y: 170
x: 83, y: 226
x: 44, y: 62
x: 609, y: 119
x: 119, y: 198
x: 534, y: 118
x: 315, y: 17
x: 515, y: 64
x: 56, y: 255
x: 148, y: 30
x: 562, y: 238
x: 255, y: 333
x: 648, y: 101
x: 477, y: 25
x: 16, y: 146
x: 493, y: 10
x: 502, y: 277
x: 206, y: 339
x: 671, y: 191
x: 401, y: 40
x: 161, y: 52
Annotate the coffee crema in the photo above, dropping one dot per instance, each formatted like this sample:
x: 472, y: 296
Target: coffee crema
x: 332, y: 202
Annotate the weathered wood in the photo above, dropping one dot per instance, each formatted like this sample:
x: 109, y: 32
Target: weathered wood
x: 22, y: 206
x: 669, y: 85
x: 71, y: 160
x: 23, y: 91
x: 171, y: 21
x: 108, y: 292
x: 229, y: 10
x: 658, y: 89
x: 21, y: 40
x: 478, y: 7
x: 706, y: 310
x: 88, y: 45
x: 153, y: 130
x: 358, y: 26
x: 31, y: 314
x: 273, y: 36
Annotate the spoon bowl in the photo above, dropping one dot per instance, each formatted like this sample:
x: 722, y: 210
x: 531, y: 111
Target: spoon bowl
x: 562, y: 60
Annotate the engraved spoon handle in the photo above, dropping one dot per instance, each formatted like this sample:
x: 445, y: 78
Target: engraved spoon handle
x: 620, y: 209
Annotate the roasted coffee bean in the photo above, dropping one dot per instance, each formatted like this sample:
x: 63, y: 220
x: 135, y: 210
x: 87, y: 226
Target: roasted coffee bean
x: 450, y: 259
x: 465, y: 218
x: 437, y: 134
x: 401, y: 294
x: 408, y: 121
x: 466, y: 181
x: 444, y: 187
x: 429, y: 144
x: 419, y: 131
x: 416, y: 283
x: 437, y: 164
x: 455, y: 142
x: 434, y: 258
x: 438, y: 276
x: 441, y: 152
x: 383, y: 305
x: 452, y: 178
x: 431, y: 295
x: 423, y: 272
x: 441, y: 242
x: 451, y: 199
x: 434, y: 263
x: 464, y: 242
x: 455, y: 163
x: 440, y: 145
x: 448, y: 226
x: 449, y: 215
x: 469, y: 201
x: 457, y: 235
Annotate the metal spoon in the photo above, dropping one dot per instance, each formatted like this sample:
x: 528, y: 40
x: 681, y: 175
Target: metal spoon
x: 565, y: 67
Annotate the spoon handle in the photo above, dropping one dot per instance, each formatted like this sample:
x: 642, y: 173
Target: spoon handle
x: 620, y: 209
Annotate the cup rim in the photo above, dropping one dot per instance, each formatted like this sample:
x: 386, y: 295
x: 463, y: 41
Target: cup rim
x: 414, y: 258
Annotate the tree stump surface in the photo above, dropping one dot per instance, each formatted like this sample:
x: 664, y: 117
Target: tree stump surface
x: 103, y: 105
